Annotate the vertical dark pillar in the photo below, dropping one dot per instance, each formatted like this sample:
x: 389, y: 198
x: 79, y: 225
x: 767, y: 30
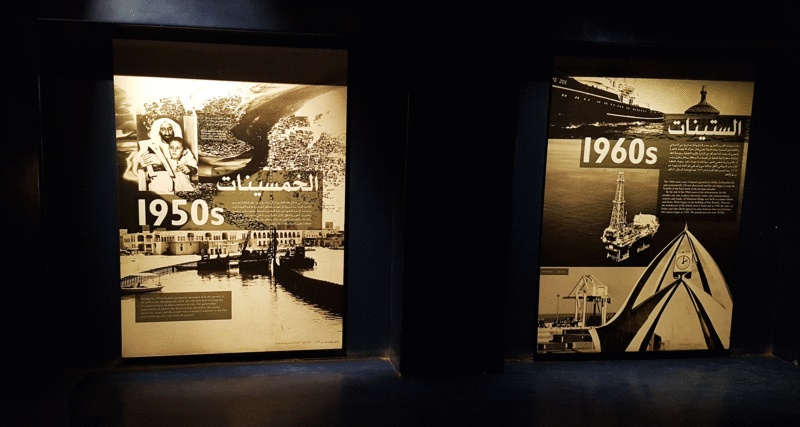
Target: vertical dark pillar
x: 457, y: 215
x: 30, y: 303
x: 79, y: 191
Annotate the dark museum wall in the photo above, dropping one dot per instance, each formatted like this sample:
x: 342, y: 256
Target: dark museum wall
x: 434, y: 98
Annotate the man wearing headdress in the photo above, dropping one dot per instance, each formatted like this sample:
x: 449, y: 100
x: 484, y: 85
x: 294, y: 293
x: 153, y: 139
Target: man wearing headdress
x: 152, y: 164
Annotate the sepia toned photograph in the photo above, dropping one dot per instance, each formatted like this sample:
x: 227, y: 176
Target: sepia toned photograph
x: 680, y: 301
x: 640, y: 225
x: 232, y: 201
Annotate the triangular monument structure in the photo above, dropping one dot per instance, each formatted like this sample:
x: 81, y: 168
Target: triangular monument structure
x: 681, y: 302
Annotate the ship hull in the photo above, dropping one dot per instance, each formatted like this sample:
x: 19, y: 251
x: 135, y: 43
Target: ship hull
x: 212, y: 264
x: 257, y: 260
x: 573, y: 102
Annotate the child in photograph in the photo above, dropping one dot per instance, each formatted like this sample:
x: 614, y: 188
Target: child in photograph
x: 152, y: 161
x: 183, y: 164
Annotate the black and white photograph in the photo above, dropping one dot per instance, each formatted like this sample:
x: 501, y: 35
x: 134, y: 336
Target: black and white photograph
x: 675, y: 110
x: 680, y: 301
x: 640, y: 226
x: 232, y: 226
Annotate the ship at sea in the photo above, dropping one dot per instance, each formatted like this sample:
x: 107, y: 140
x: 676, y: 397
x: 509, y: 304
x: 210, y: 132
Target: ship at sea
x: 620, y: 236
x: 576, y: 100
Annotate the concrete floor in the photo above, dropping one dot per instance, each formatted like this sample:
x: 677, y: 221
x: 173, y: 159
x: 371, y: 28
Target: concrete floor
x: 725, y: 391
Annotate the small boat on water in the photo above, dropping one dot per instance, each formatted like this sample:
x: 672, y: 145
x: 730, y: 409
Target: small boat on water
x: 296, y: 259
x: 256, y: 259
x: 215, y: 262
x: 140, y: 283
x: 141, y: 289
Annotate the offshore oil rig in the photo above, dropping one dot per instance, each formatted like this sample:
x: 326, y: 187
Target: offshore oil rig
x: 621, y: 236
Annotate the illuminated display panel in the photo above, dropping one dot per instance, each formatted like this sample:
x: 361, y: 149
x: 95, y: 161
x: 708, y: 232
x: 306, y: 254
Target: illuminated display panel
x: 231, y: 165
x: 640, y: 226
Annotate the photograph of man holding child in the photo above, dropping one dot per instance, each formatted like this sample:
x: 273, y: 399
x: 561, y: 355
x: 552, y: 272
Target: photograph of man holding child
x: 165, y: 162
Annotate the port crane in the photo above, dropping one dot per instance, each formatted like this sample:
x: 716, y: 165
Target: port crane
x: 590, y: 290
